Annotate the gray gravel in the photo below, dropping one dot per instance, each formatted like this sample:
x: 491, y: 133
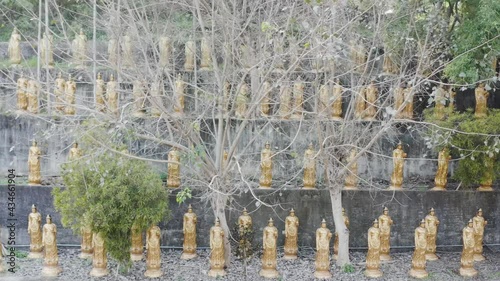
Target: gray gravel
x: 76, y: 269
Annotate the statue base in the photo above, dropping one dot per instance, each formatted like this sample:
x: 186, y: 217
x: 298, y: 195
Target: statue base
x: 188, y: 256
x: 99, y: 272
x: 138, y: 114
x: 396, y: 188
x: 438, y: 188
x: 35, y: 255
x: 264, y: 187
x: 34, y: 183
x: 485, y: 188
x: 322, y: 274
x: 337, y: 118
x: 269, y: 273
x: 385, y: 257
x: 309, y: 188
x: 479, y: 257
x: 418, y: 273
x: 335, y: 256
x: 86, y: 255
x: 216, y: 273
x: 51, y: 271
x: 153, y: 273
x: 373, y: 273
x: 468, y: 272
x: 136, y: 257
x: 350, y: 187
x: 290, y: 257
x: 431, y: 257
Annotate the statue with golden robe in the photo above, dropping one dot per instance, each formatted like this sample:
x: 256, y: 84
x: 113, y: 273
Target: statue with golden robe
x: 439, y: 102
x: 322, y: 261
x: 385, y: 222
x: 481, y: 101
x: 242, y: 101
x: 291, y: 236
x: 360, y: 103
x: 478, y: 223
x: 264, y: 102
x: 99, y: 258
x: 112, y: 95
x: 32, y: 93
x: 351, y: 180
x: 371, y: 100
x: 153, y: 259
x: 49, y: 241
x: 418, y: 259
x: 486, y: 183
x: 69, y: 94
x: 398, y: 160
x: 46, y: 57
x: 173, y: 168
x: 285, y: 102
x: 217, y: 261
x: 14, y: 48
x: 408, y: 94
x: 373, y: 255
x: 165, y: 47
x: 79, y: 49
x: 399, y: 99
x: 74, y: 152
x: 100, y: 89
x: 137, y: 246
x: 112, y: 51
x: 431, y: 225
x: 324, y: 100
x: 337, y: 101
x: 266, y: 167
x: 244, y: 221
x: 451, y: 94
x: 156, y: 93
x: 86, y: 248
x: 269, y: 255
x: 298, y: 99
x: 127, y: 51
x: 189, y: 231
x: 389, y: 66
x: 336, y: 236
x: 309, y: 168
x: 22, y: 97
x: 442, y: 171
x: 180, y: 89
x: 34, y: 177
x: 59, y: 92
x: 206, y: 54
x: 35, y: 233
x: 467, y: 259
x: 139, y: 93
x: 190, y: 55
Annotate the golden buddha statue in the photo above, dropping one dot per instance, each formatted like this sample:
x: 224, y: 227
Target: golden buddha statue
x: 399, y: 99
x: 59, y: 92
x: 99, y: 258
x: 358, y: 55
x: 112, y: 95
x: 14, y: 48
x: 244, y: 221
x: 70, y: 91
x: 442, y: 171
x: 153, y: 259
x: 100, y: 89
x: 156, y: 94
x: 481, y: 101
x: 112, y: 51
x: 173, y: 168
x: 22, y: 97
x: 34, y: 230
x: 291, y: 236
x: 431, y: 225
x: 324, y: 100
x: 86, y: 248
x: 309, y: 168
x: 241, y: 101
x: 398, y: 159
x: 385, y: 222
x: 137, y: 246
x: 79, y: 49
x: 206, y: 54
x: 451, y: 94
x: 418, y: 259
x: 389, y: 67
x: 165, y: 46
x: 217, y: 261
x: 371, y: 100
x: 285, y: 102
x: 336, y: 236
x: 298, y: 99
x: 478, y: 223
x: 439, y: 102
x: 337, y: 101
x: 373, y: 255
x: 408, y: 94
x: 190, y: 55
x: 266, y: 167
x: 264, y: 102
x: 34, y: 177
x: 189, y: 230
x: 467, y: 260
x: 32, y: 93
x: 74, y: 152
x: 351, y: 180
x: 49, y: 241
x: 127, y: 51
x: 139, y: 91
x: 360, y: 104
x: 269, y: 244
x: 46, y: 57
x: 322, y: 262
x: 486, y: 183
x: 180, y: 89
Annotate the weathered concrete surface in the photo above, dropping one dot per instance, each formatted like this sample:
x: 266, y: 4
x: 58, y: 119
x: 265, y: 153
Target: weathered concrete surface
x: 407, y: 208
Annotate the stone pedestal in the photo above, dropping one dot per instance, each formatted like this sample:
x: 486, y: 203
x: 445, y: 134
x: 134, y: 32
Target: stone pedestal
x: 99, y: 272
x: 216, y: 273
x: 385, y: 257
x: 269, y: 273
x: 468, y: 272
x: 373, y: 273
x: 153, y: 273
x: 35, y: 255
x: 51, y: 271
x: 188, y: 256
x: 136, y: 257
x: 322, y: 274
x: 431, y: 257
x: 418, y: 273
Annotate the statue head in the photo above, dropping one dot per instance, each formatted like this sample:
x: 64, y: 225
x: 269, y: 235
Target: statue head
x: 310, y: 146
x: 337, y: 81
x: 292, y: 212
x: 400, y: 145
x: 69, y: 77
x: 268, y: 145
x: 431, y: 212
x: 49, y: 219
x: 179, y: 76
x: 190, y: 209
x: 372, y: 81
x: 15, y: 31
x: 33, y: 208
x: 99, y: 76
x: 386, y: 211
x: 75, y: 145
x: 245, y: 211
x: 481, y: 85
x: 59, y: 75
x: 34, y: 143
x: 217, y: 222
x: 375, y: 223
x: 270, y: 222
x: 480, y: 212
x: 323, y: 223
x: 81, y: 31
x: 343, y: 211
x: 470, y: 224
x: 111, y: 77
x: 422, y: 223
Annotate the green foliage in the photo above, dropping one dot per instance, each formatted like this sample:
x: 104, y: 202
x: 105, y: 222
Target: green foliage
x: 244, y: 239
x: 183, y: 195
x: 20, y: 254
x: 348, y: 268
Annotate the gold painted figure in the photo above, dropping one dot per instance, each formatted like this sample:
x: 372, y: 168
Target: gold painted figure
x: 322, y: 262
x: 173, y: 177
x: 399, y: 99
x: 479, y: 223
x: 32, y: 93
x: 442, y: 171
x: 35, y: 232
x: 336, y: 236
x: 139, y: 93
x: 373, y: 255
x: 22, y: 97
x: 74, y: 152
x: 244, y: 221
x: 59, y: 92
x: 358, y: 55
x: 291, y: 236
x: 79, y: 49
x: 309, y: 168
x: 408, y: 94
x: 241, y: 101
x: 99, y: 93
x: 285, y: 102
x: 206, y: 54
x: 264, y: 102
x: 165, y: 52
x: 298, y: 99
x: 486, y: 183
x: 49, y: 241
x: 385, y: 222
x: 431, y: 226
x: 266, y: 167
x: 180, y: 89
x: 99, y: 258
x: 439, y: 103
x: 389, y: 67
x: 360, y: 104
x: 70, y: 90
x: 156, y: 94
x: 34, y: 177
x: 112, y: 51
x: 14, y: 48
x: 337, y: 101
x: 189, y: 230
x: 136, y: 250
x: 112, y: 95
x: 451, y: 94
x: 46, y: 57
x: 398, y: 159
x: 153, y: 259
x: 86, y: 248
x: 269, y: 255
x: 481, y: 101
x: 190, y: 54
x: 351, y: 180
x: 467, y: 260
x: 418, y: 259
x: 127, y: 52
x: 217, y: 260
x: 324, y: 100
x: 371, y: 99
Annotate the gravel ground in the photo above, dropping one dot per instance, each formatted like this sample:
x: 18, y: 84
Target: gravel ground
x: 76, y: 269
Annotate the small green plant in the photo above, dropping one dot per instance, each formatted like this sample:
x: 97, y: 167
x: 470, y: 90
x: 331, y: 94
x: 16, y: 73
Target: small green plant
x: 183, y: 195
x: 348, y: 268
x: 20, y: 254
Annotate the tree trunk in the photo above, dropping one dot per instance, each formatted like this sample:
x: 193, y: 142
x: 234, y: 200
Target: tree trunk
x: 218, y: 205
x: 340, y: 227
